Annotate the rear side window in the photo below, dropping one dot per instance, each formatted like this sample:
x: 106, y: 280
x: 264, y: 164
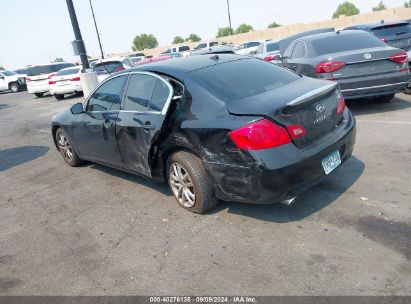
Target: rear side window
x: 342, y: 43
x: 271, y: 47
x: 299, y: 50
x: 243, y: 78
x: 108, y: 96
x: 160, y: 96
x: 68, y: 72
x: 184, y: 48
x: 139, y: 92
x: 391, y: 30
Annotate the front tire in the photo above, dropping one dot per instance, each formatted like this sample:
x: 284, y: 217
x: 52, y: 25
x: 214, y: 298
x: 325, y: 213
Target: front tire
x: 59, y: 96
x: 14, y: 87
x: 66, y: 149
x: 190, y: 183
x: 39, y: 95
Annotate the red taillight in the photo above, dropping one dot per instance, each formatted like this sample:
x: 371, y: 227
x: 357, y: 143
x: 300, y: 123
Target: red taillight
x: 119, y: 69
x: 269, y: 58
x: 75, y: 79
x: 51, y: 75
x: 296, y: 131
x: 27, y: 79
x: 262, y: 134
x: 340, y: 105
x: 52, y: 82
x: 329, y: 66
x: 401, y: 57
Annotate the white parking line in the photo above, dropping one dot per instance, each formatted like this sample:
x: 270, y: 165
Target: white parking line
x: 392, y: 122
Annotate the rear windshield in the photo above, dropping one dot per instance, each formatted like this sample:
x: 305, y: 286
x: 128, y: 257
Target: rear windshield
x: 391, y: 30
x: 243, y: 78
x: 343, y: 43
x: 201, y: 45
x: 68, y: 72
x: 107, y: 67
x: 271, y: 47
x: 47, y: 69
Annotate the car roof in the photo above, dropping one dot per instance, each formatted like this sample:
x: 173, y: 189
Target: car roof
x: 179, y: 67
x: 332, y: 34
x: 73, y: 67
x: 369, y: 26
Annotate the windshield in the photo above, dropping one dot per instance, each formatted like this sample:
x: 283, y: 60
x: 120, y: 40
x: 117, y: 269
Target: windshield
x: 8, y: 73
x: 108, y: 67
x: 68, y: 72
x: 48, y: 69
x: 342, y: 43
x: 391, y: 30
x: 271, y: 47
x: 243, y: 78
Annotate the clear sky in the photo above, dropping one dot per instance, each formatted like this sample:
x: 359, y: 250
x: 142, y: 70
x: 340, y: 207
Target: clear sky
x: 32, y: 31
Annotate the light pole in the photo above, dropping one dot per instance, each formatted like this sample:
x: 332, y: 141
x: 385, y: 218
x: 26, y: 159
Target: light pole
x: 98, y: 34
x: 229, y: 16
x: 77, y: 35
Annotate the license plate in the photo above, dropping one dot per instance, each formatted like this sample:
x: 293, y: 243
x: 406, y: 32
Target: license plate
x: 331, y: 162
x: 61, y: 83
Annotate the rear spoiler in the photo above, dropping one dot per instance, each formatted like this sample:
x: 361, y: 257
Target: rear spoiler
x: 312, y: 94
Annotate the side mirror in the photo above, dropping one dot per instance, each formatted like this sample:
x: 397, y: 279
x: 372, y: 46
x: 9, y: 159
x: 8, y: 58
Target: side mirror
x: 77, y: 108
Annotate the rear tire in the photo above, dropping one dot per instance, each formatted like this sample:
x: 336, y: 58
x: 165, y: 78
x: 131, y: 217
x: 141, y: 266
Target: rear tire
x: 384, y: 98
x: 190, y: 183
x: 14, y: 87
x: 39, y: 95
x: 59, y: 96
x: 408, y: 89
x: 66, y: 148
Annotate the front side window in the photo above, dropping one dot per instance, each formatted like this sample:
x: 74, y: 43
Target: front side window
x: 108, y: 96
x: 8, y: 73
x: 289, y: 50
x: 139, y: 92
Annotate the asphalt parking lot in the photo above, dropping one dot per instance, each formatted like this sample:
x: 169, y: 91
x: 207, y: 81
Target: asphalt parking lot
x: 93, y: 230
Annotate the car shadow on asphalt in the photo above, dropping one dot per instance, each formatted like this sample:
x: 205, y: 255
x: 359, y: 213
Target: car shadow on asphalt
x: 157, y: 186
x: 366, y: 106
x: 307, y: 203
x: 13, y: 157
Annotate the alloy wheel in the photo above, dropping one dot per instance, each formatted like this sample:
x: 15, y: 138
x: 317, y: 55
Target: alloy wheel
x: 182, y: 185
x: 65, y: 147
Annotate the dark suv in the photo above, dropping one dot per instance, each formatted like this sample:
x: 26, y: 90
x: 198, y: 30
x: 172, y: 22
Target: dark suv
x: 397, y: 34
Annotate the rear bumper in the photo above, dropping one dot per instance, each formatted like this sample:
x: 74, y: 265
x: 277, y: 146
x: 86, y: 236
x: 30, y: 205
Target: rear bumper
x: 38, y: 89
x: 282, y: 172
x: 371, y: 86
x: 66, y: 89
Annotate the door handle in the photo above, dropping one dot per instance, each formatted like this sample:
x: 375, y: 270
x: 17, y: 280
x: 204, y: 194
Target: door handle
x: 148, y: 126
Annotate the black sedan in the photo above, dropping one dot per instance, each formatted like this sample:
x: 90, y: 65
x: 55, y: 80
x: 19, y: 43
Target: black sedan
x: 215, y: 127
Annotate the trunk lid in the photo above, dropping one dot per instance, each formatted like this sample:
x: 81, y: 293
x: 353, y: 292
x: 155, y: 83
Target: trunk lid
x: 367, y: 62
x: 307, y: 102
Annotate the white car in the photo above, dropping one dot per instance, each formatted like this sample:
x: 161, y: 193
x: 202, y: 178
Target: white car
x: 66, y: 81
x: 38, y: 77
x: 247, y: 48
x: 269, y: 51
x: 104, y: 68
x: 184, y: 50
x: 11, y: 81
x: 203, y: 45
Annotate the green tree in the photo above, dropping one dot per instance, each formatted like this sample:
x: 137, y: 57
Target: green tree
x: 380, y: 7
x: 193, y: 38
x: 144, y: 41
x: 346, y: 8
x: 407, y: 4
x: 243, y: 28
x: 59, y: 59
x: 224, y: 31
x: 273, y: 25
x: 178, y: 39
